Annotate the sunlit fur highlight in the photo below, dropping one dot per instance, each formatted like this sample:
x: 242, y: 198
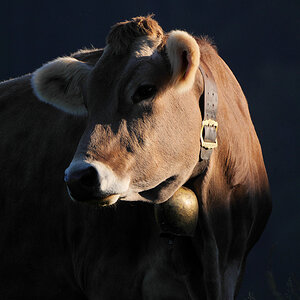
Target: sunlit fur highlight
x: 122, y: 35
x: 59, y: 83
x: 179, y: 42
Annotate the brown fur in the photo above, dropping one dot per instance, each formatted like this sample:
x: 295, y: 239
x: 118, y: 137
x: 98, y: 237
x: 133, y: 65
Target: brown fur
x: 54, y: 248
x: 123, y: 34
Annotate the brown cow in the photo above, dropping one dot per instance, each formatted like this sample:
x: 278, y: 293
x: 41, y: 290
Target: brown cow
x: 138, y: 110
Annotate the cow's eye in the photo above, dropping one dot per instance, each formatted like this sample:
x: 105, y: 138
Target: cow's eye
x: 144, y: 92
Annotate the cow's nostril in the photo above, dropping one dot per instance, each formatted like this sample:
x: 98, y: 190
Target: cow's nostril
x: 89, y: 177
x: 82, y: 183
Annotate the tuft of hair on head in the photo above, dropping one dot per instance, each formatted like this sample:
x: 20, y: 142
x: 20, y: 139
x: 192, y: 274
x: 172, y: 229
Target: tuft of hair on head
x: 123, y: 34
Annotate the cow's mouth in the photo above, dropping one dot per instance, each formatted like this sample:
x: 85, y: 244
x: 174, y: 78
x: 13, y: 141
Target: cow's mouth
x: 96, y: 201
x: 110, y: 200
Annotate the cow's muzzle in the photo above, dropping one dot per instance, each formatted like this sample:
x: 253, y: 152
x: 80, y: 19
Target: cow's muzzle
x: 94, y: 183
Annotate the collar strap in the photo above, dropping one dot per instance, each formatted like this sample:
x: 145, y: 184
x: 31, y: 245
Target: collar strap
x: 209, y: 117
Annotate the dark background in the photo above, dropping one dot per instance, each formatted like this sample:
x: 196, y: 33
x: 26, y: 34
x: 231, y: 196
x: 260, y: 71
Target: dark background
x: 259, y: 40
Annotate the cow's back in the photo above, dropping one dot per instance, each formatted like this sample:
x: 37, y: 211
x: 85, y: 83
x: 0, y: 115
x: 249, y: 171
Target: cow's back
x: 37, y: 142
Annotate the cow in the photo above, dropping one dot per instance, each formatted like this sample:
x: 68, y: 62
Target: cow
x: 94, y: 147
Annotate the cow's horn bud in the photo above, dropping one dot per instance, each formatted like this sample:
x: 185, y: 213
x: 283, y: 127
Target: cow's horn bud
x: 178, y: 215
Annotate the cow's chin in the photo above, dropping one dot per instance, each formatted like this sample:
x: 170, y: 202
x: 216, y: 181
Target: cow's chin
x: 97, y: 202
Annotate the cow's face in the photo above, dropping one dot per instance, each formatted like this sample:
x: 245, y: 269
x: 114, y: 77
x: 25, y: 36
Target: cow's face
x: 141, y: 99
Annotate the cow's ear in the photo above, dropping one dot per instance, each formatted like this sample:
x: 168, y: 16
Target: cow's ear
x: 184, y: 56
x: 60, y: 83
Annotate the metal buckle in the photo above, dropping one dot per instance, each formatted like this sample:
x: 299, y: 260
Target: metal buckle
x: 204, y: 144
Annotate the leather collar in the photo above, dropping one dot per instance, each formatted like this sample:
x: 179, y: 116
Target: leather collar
x: 209, y: 113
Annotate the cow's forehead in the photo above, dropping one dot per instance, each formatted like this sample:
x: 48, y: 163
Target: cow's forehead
x: 144, y: 46
x: 144, y: 57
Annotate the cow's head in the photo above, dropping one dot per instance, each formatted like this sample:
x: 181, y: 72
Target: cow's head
x: 141, y: 100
